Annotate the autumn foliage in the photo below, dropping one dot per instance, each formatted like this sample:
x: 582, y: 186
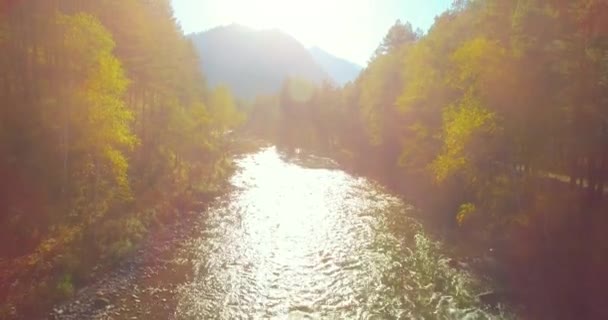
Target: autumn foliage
x: 106, y: 126
x: 495, y: 122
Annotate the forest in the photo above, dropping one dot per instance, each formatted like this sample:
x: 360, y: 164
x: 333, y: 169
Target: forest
x: 495, y: 124
x: 107, y: 130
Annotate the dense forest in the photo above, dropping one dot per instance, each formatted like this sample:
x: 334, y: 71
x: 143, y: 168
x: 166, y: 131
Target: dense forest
x: 107, y: 130
x: 495, y: 123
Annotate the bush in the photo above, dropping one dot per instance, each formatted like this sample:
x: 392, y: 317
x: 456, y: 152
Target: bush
x: 65, y: 286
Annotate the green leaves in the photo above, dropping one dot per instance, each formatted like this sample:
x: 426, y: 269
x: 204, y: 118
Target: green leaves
x: 398, y: 35
x: 104, y: 119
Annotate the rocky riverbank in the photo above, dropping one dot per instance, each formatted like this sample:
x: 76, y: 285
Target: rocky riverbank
x: 274, y: 247
x: 144, y: 285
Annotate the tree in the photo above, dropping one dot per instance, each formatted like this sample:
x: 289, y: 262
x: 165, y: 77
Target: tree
x: 399, y: 34
x: 103, y: 134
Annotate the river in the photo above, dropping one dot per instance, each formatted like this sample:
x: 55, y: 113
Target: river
x: 297, y: 238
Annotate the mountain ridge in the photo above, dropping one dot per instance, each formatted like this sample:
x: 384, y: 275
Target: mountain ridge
x: 341, y: 70
x: 256, y: 62
x: 253, y: 62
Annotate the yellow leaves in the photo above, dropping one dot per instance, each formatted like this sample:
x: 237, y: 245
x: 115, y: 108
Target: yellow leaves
x: 476, y: 61
x: 108, y: 120
x: 446, y: 164
x: 119, y: 165
x: 460, y: 124
x: 421, y: 76
x: 106, y: 109
x: 109, y: 77
x: 187, y: 129
x: 200, y: 113
x: 85, y: 38
x: 223, y: 109
x: 98, y: 112
x: 197, y: 129
x: 57, y: 240
x: 469, y: 72
x: 465, y: 212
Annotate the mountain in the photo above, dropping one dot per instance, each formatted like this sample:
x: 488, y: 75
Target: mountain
x: 340, y: 70
x: 253, y: 62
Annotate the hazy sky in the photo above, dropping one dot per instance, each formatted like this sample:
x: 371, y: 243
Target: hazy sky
x: 350, y: 29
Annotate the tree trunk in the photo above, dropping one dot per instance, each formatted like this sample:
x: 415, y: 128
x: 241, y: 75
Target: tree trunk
x: 66, y: 149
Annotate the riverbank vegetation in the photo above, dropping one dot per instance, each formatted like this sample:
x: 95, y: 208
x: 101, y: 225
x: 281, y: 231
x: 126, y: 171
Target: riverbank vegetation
x: 495, y: 124
x: 107, y: 130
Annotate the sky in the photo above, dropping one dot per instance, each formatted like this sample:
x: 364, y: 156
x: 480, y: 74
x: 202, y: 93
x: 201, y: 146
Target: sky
x: 350, y: 29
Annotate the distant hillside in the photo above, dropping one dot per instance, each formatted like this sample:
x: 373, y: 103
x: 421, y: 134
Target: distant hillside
x: 253, y: 62
x: 340, y: 70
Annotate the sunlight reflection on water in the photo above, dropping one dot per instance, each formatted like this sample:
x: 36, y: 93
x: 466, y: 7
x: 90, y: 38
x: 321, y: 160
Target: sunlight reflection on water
x: 292, y: 243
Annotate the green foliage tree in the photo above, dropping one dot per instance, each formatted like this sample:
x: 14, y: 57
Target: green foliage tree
x: 495, y: 122
x: 103, y: 133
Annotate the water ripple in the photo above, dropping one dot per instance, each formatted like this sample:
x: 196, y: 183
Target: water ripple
x: 301, y: 243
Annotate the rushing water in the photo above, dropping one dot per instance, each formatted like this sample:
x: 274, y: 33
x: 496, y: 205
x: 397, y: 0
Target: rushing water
x: 299, y: 242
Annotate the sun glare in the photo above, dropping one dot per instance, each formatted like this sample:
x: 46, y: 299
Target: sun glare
x: 299, y: 17
x: 313, y: 22
x: 349, y: 29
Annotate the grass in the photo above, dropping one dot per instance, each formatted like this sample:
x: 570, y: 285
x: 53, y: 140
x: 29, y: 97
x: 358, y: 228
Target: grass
x: 422, y: 282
